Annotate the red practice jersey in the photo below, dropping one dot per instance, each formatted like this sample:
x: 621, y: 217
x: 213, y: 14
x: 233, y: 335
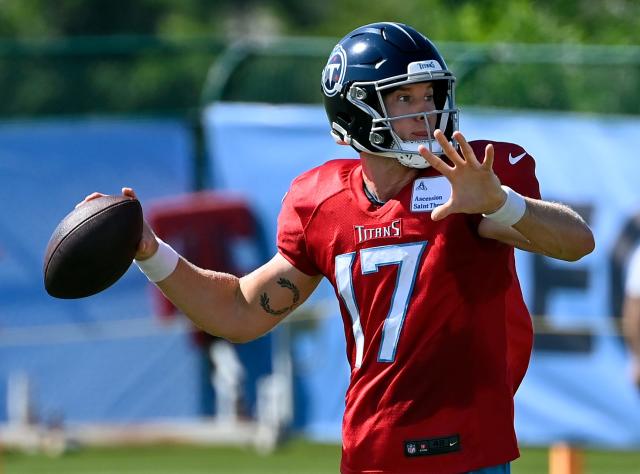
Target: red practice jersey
x: 438, y: 335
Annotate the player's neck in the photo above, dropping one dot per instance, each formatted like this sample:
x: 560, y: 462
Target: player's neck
x: 384, y: 177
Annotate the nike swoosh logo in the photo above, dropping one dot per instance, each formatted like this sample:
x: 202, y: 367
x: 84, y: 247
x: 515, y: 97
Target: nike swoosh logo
x: 453, y: 443
x: 514, y: 159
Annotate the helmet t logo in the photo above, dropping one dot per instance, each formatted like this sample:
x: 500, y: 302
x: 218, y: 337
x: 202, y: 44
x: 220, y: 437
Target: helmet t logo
x: 333, y: 73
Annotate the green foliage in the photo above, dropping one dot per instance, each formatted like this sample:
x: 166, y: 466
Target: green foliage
x: 522, y: 21
x: 152, y: 56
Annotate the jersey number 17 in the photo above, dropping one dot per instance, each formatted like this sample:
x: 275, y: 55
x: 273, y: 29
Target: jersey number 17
x: 407, y: 257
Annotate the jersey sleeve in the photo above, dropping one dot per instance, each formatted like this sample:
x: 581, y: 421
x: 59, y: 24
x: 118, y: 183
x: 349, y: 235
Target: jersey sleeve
x: 516, y: 169
x: 291, y: 239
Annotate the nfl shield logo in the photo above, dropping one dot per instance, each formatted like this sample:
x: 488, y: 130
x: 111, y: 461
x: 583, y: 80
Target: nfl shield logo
x: 411, y: 448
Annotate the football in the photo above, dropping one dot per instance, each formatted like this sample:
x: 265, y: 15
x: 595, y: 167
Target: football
x: 92, y: 247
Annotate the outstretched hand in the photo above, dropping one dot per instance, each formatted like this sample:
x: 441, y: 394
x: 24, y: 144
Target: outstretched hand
x: 475, y: 188
x: 148, y: 244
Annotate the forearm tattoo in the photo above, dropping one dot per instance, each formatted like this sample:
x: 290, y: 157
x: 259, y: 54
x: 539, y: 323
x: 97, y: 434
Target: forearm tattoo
x: 284, y: 283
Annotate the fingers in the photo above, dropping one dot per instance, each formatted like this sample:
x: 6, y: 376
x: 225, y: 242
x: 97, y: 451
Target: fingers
x: 442, y: 211
x: 435, y: 161
x: 467, y: 151
x: 129, y: 192
x: 148, y: 244
x: 448, y: 148
x: 90, y: 197
x: 450, y: 151
x: 487, y: 164
x: 94, y: 195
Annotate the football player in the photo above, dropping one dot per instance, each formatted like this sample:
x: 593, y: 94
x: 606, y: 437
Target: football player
x: 417, y: 237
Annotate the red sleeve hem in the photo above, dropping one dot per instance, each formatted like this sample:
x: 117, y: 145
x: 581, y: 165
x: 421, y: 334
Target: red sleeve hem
x: 309, y: 270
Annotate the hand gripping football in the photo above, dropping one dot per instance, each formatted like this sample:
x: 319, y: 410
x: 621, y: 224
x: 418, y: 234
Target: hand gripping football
x: 92, y: 247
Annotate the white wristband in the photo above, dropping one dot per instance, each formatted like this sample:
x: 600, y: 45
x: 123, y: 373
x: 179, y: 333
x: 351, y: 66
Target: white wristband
x: 511, y: 211
x: 161, y: 264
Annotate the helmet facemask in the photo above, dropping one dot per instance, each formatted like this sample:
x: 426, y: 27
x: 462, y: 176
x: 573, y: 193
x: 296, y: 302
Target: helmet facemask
x: 383, y: 139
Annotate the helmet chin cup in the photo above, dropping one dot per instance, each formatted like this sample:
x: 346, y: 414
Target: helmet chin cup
x: 410, y: 157
x: 412, y: 161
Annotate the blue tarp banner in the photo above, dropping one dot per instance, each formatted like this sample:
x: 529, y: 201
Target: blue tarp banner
x: 104, y: 357
x: 577, y: 388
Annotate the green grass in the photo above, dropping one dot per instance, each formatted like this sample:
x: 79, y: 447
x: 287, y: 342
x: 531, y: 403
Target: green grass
x: 535, y: 461
x: 295, y: 457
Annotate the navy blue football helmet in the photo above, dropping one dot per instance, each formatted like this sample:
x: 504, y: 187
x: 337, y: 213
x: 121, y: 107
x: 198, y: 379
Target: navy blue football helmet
x: 367, y: 63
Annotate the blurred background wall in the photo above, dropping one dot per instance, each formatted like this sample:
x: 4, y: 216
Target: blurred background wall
x: 174, y: 98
